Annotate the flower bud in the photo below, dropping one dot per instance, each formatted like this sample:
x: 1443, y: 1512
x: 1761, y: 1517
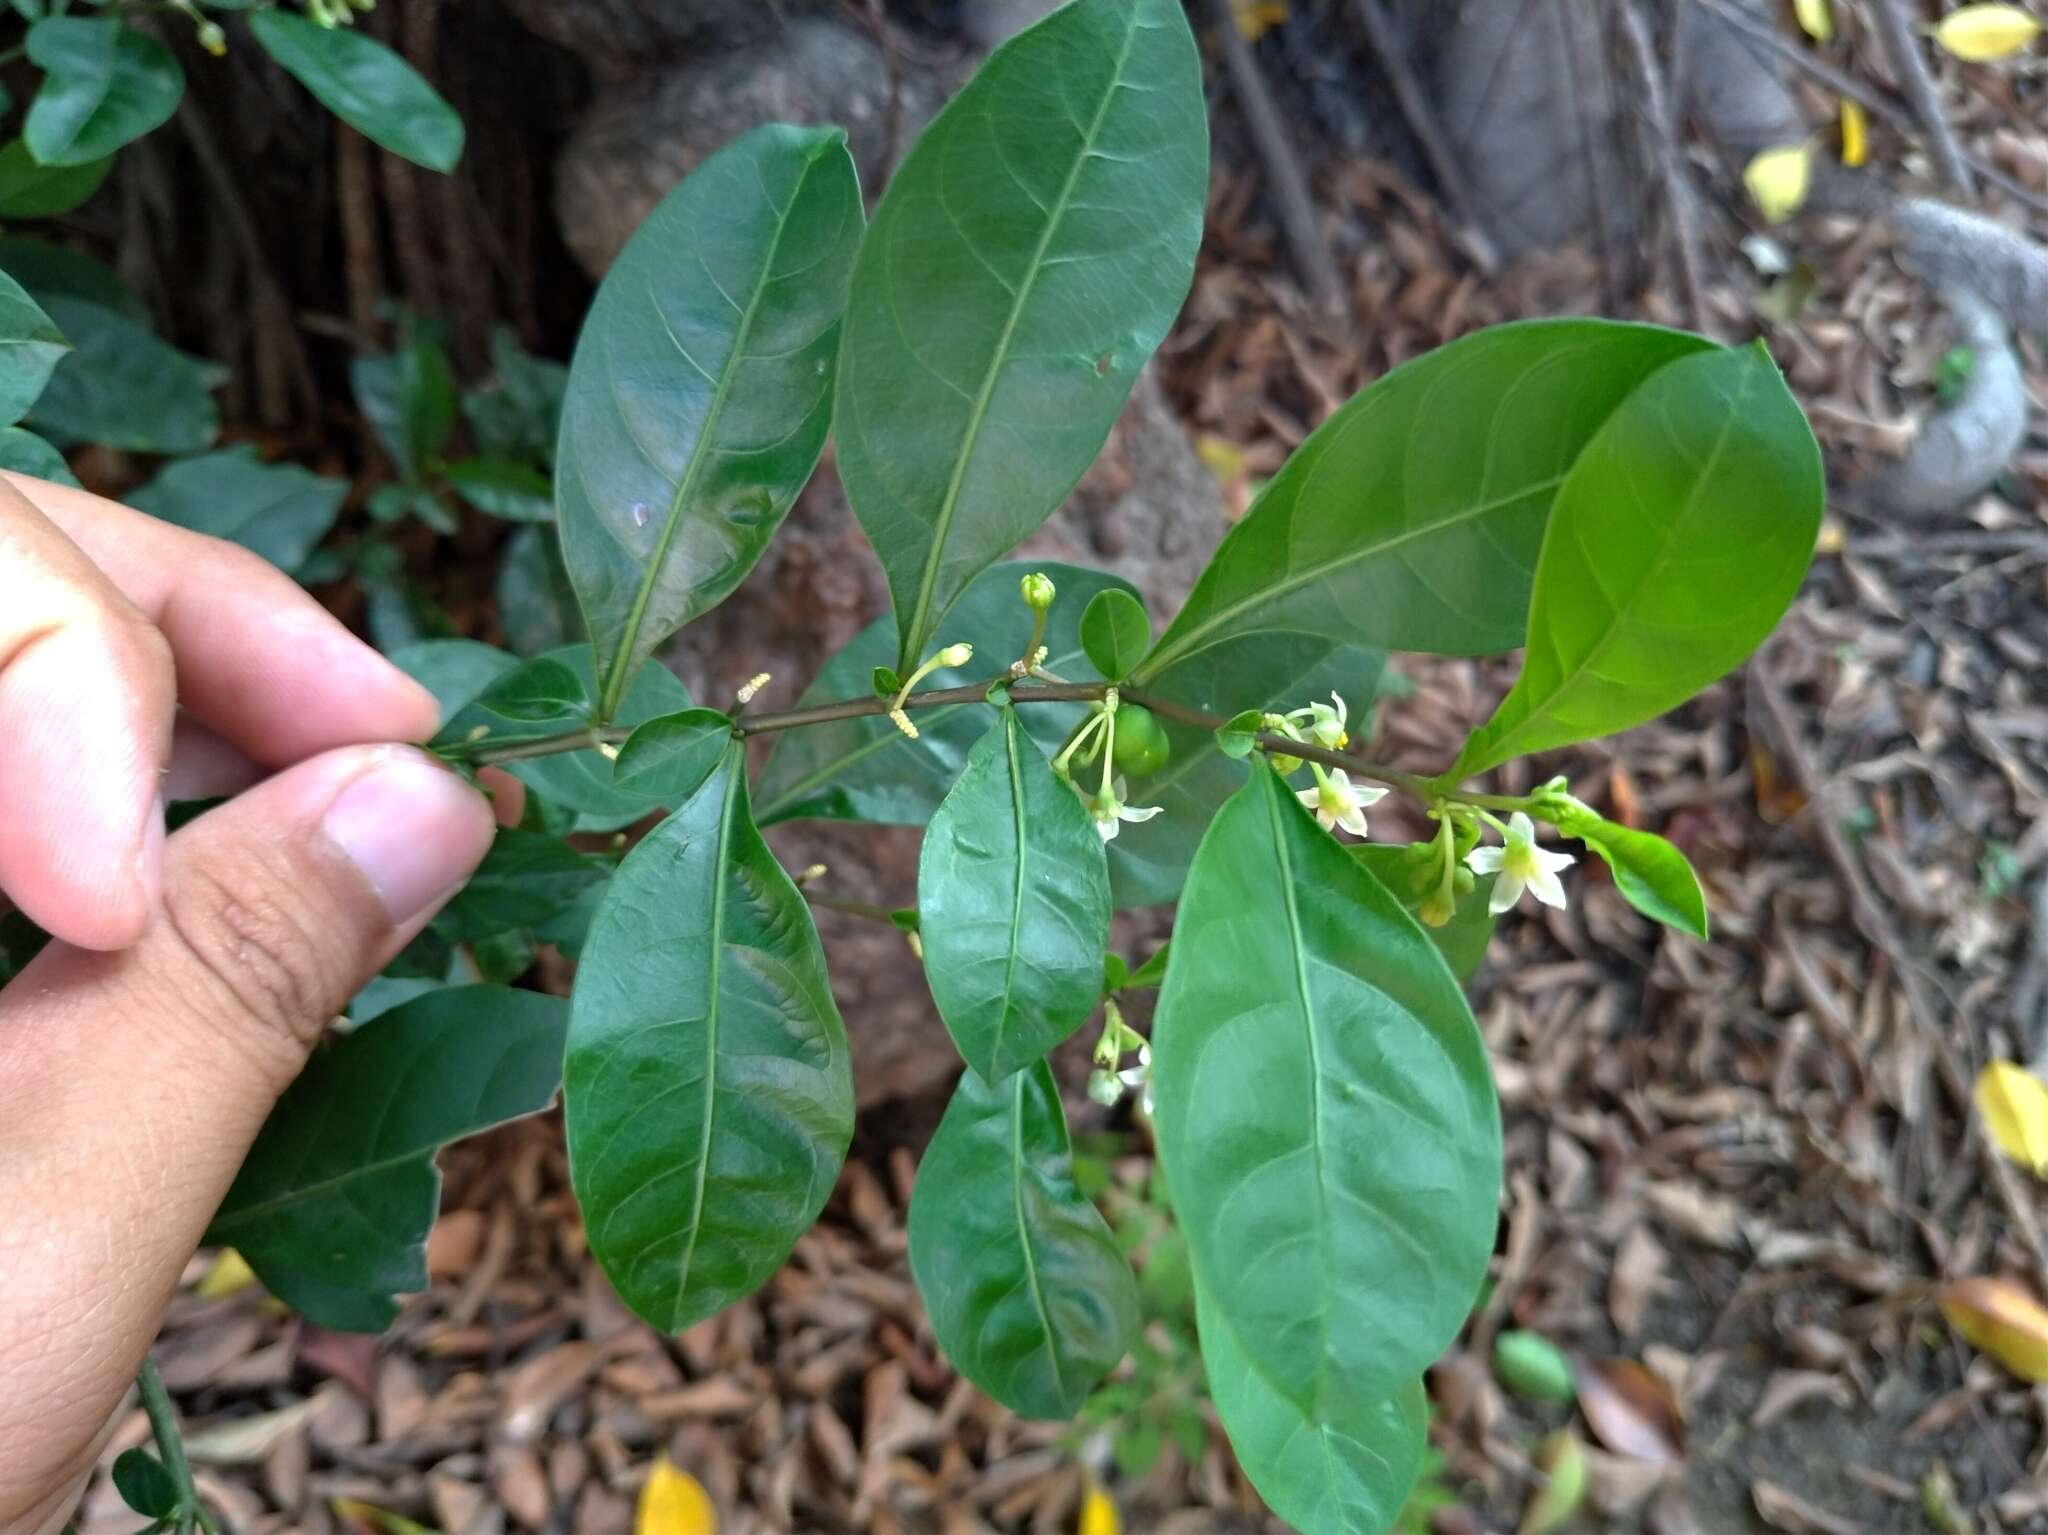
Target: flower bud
x: 1104, y: 1088
x: 956, y: 655
x: 212, y: 39
x: 1037, y: 590
x: 1463, y: 880
x: 1437, y: 908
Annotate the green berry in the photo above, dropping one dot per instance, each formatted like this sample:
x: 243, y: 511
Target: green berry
x: 1141, y: 744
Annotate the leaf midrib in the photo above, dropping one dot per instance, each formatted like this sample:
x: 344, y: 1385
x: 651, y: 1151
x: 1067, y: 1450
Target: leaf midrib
x: 621, y: 672
x: 1052, y: 1348
x: 1010, y: 734
x: 914, y: 634
x: 735, y: 776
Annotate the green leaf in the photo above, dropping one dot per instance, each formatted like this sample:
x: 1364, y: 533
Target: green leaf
x: 1652, y: 875
x: 1411, y: 518
x: 1678, y: 539
x: 866, y: 769
x: 519, y: 413
x: 710, y: 1089
x: 123, y: 386
x: 409, y: 400
x: 584, y: 781
x: 668, y: 758
x: 504, y: 488
x: 701, y: 388
x: 23, y: 452
x: 526, y: 878
x: 1115, y: 632
x: 1026, y: 259
x: 1013, y: 905
x: 1026, y: 1290
x: 104, y: 85
x: 366, y: 85
x: 1239, y: 737
x: 1343, y: 1467
x: 1151, y: 974
x: 30, y: 349
x: 454, y: 671
x: 1324, y: 1112
x: 47, y: 269
x: 1463, y: 940
x: 144, y: 1484
x: 32, y: 190
x: 279, y: 511
x: 536, y: 604
x: 340, y: 1186
x: 536, y: 699
x: 1148, y: 862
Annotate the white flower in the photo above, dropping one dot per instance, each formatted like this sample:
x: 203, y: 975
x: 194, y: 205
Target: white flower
x: 1326, y: 726
x: 1337, y: 801
x: 1521, y: 865
x: 1109, y: 811
x: 1140, y: 1077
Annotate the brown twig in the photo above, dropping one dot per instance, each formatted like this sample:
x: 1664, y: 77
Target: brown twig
x: 1285, y: 179
x: 1679, y: 196
x: 1868, y: 97
x: 1874, y: 922
x: 1429, y: 135
x: 1916, y: 81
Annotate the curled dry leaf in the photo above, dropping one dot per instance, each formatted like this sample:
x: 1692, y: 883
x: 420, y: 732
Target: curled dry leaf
x: 2014, y: 1105
x: 1637, y: 1277
x: 1998, y: 1318
x: 1979, y: 33
x: 1632, y: 1411
x: 1788, y: 1390
x: 1783, y: 1510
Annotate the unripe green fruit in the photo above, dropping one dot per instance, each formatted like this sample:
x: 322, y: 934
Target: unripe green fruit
x: 1141, y: 744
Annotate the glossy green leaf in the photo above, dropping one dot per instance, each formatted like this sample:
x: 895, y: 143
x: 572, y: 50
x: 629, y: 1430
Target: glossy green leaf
x: 1151, y: 974
x: 536, y: 604
x: 1344, y: 1468
x: 1013, y: 905
x: 22, y: 452
x: 538, y: 698
x: 701, y: 388
x: 518, y: 413
x: 1026, y: 1290
x: 527, y: 878
x: 504, y: 488
x: 366, y: 85
x: 1027, y: 258
x: 1678, y: 539
x: 123, y: 386
x: 668, y: 758
x: 1464, y: 939
x: 1148, y: 862
x: 1116, y: 633
x: 710, y: 1089
x: 866, y: 769
x: 584, y: 781
x: 31, y: 190
x: 1324, y: 1111
x: 1411, y: 519
x: 340, y: 1187
x: 31, y: 346
x: 144, y: 1484
x: 409, y: 399
x: 47, y: 269
x: 1652, y: 875
x: 454, y: 671
x: 279, y: 511
x: 104, y: 84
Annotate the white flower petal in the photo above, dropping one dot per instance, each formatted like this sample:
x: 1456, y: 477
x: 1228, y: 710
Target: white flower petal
x: 1554, y: 863
x: 1310, y: 798
x: 1485, y: 860
x: 1521, y: 828
x: 1506, y: 891
x: 1543, y: 884
x: 1128, y: 813
x: 1353, y: 821
x: 1369, y: 796
x: 1106, y: 830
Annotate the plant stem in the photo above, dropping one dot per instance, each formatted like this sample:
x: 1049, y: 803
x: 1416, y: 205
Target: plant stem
x: 1428, y: 790
x: 866, y: 909
x: 170, y: 1444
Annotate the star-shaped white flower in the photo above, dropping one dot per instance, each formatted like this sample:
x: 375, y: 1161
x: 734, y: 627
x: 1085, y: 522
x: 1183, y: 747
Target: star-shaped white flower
x: 1337, y: 801
x: 1521, y: 865
x: 1110, y: 811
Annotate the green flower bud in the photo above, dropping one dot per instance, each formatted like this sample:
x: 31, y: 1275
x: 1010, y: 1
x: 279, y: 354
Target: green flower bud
x: 956, y: 655
x: 1436, y: 908
x: 1464, y: 881
x: 1104, y: 1088
x: 1037, y: 590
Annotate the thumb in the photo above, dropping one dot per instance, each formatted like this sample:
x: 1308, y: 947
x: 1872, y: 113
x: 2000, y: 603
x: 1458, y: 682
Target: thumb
x: 135, y: 1080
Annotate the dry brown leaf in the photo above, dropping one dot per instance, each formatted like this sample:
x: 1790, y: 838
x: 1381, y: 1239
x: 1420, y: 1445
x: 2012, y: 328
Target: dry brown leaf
x: 1631, y: 1410
x: 1788, y: 1390
x: 1783, y: 1510
x: 1637, y: 1277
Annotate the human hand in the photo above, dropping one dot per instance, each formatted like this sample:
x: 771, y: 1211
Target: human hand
x: 187, y: 977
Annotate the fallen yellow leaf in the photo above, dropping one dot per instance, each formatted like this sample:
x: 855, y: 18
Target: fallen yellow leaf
x: 229, y: 1275
x: 1979, y: 33
x: 1563, y: 1464
x: 2014, y: 1103
x: 1777, y: 180
x: 1816, y: 19
x: 1098, y: 1512
x: 2001, y: 1320
x: 1255, y: 18
x: 1224, y: 458
x: 1855, y: 133
x: 674, y: 1503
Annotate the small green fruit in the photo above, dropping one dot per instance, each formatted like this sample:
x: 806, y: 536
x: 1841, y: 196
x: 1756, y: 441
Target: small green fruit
x: 1529, y: 1364
x: 1141, y: 744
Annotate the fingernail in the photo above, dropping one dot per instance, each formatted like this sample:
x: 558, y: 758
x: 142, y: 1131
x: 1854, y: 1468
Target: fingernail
x: 149, y: 862
x: 414, y: 829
